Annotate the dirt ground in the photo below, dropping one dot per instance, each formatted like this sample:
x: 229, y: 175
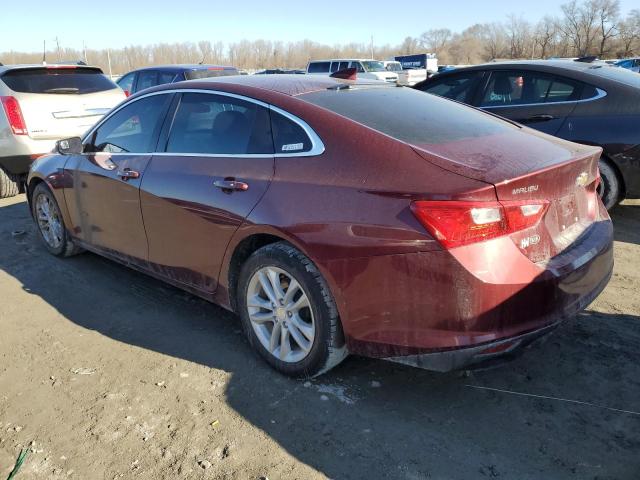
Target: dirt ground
x: 112, y: 374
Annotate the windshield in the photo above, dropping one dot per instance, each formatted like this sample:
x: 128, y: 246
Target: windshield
x: 373, y: 66
x: 57, y: 80
x: 394, y: 67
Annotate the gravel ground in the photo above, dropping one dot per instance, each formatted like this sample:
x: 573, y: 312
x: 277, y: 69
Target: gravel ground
x: 106, y: 374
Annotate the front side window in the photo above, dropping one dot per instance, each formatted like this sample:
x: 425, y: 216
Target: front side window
x: 319, y: 67
x: 524, y: 88
x: 373, y: 66
x: 132, y: 129
x: 358, y: 66
x: 456, y: 87
x: 216, y: 124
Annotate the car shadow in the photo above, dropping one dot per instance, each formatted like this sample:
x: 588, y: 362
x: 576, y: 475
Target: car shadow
x: 371, y: 419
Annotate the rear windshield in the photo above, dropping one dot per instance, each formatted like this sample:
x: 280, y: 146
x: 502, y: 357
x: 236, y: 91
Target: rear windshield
x: 210, y: 72
x: 57, y: 80
x: 617, y: 74
x: 409, y: 115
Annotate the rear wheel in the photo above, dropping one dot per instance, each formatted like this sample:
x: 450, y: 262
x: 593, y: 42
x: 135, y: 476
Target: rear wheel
x: 288, y: 312
x: 9, y: 184
x: 610, y: 188
x: 50, y: 223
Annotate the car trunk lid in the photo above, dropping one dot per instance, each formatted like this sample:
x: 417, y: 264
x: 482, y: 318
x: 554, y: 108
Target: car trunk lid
x: 528, y: 169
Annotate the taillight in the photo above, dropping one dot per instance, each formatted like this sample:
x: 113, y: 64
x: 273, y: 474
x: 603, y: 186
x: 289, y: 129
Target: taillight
x: 14, y: 115
x: 456, y: 223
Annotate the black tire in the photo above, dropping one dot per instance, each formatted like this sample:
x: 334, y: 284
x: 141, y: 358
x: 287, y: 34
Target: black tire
x: 328, y: 348
x: 66, y: 248
x: 610, y: 188
x: 9, y: 184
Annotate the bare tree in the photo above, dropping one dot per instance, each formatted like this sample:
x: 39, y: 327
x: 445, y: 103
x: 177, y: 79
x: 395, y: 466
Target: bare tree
x: 545, y: 36
x: 608, y: 18
x: 435, y: 40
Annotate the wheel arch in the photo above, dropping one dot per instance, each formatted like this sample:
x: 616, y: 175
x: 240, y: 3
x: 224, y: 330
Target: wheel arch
x: 251, y: 238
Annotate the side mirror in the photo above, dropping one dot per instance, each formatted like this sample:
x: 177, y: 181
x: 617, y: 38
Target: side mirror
x: 69, y: 146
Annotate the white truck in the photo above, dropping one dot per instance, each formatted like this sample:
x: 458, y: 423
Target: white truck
x: 415, y: 68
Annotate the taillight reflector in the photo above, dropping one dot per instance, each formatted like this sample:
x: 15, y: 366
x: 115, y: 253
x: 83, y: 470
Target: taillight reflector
x: 14, y: 115
x: 457, y: 223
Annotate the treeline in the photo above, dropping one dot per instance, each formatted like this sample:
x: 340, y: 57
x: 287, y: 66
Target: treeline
x: 590, y: 27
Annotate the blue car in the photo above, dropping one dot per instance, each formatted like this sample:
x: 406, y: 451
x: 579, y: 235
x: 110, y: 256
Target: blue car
x: 632, y: 64
x: 149, y: 77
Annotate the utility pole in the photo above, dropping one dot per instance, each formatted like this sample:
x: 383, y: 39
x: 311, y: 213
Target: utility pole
x: 44, y: 52
x: 109, y: 62
x: 84, y: 52
x: 58, y: 45
x: 371, y: 44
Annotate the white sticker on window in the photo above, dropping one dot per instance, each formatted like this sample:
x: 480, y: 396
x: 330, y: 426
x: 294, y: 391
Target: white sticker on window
x: 290, y: 147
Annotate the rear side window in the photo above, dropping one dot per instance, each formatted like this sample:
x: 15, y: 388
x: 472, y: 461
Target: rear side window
x: 524, y: 88
x: 409, y: 115
x: 134, y: 128
x: 69, y: 80
x: 147, y: 79
x: 210, y: 73
x: 458, y: 87
x: 319, y: 67
x: 288, y: 136
x: 216, y: 124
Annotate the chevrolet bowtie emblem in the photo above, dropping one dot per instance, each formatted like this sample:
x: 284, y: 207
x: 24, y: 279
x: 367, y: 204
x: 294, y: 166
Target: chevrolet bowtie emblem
x: 582, y: 179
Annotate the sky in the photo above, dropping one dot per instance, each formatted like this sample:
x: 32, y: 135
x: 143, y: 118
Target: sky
x: 119, y: 23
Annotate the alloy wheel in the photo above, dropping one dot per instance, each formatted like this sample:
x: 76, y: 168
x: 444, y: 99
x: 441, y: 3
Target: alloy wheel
x: 280, y: 314
x: 49, y: 222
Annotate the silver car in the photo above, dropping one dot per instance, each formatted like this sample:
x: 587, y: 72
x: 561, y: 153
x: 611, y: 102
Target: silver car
x: 42, y: 104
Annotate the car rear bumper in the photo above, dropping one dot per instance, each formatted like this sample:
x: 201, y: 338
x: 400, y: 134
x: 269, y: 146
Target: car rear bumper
x: 441, y: 310
x: 19, y: 152
x: 496, y: 351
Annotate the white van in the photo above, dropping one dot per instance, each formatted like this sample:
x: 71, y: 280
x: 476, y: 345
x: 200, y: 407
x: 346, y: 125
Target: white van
x: 369, y: 69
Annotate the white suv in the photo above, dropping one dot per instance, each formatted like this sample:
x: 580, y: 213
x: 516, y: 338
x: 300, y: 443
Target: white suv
x: 42, y: 104
x: 369, y: 69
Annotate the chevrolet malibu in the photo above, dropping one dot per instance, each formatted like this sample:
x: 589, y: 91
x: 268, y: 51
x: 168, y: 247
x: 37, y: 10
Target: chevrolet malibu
x: 337, y: 216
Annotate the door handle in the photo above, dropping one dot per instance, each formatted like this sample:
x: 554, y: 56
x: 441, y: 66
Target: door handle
x: 540, y: 118
x: 231, y: 184
x: 128, y: 174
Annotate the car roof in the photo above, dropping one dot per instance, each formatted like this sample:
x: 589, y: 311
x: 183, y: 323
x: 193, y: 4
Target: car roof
x: 348, y: 59
x: 182, y: 67
x: 286, y: 84
x: 26, y: 66
x: 566, y: 64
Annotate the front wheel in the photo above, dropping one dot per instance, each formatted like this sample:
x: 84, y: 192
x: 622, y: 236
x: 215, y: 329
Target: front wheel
x: 288, y: 312
x: 50, y: 223
x: 610, y: 188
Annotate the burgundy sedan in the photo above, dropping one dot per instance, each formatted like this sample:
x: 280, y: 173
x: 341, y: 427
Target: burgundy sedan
x: 337, y: 216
